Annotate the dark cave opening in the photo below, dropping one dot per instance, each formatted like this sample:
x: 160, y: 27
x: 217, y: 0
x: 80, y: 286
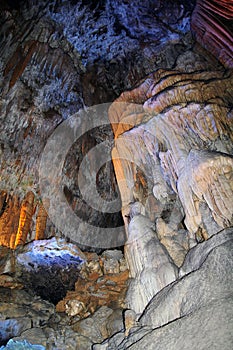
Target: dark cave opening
x: 52, y: 283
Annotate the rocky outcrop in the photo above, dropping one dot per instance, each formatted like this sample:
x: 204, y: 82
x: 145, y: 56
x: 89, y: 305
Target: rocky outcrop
x: 198, y: 303
x: 212, y: 27
x: 103, y: 282
x: 172, y: 161
x: 173, y: 164
x: 88, y: 290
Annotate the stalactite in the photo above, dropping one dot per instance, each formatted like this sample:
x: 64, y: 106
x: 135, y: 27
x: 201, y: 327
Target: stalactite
x: 41, y: 221
x: 20, y: 63
x: 9, y: 219
x: 26, y: 213
x: 212, y: 27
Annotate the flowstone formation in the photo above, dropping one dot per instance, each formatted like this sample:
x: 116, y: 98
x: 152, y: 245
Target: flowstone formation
x: 170, y: 124
x: 174, y: 166
x: 195, y: 312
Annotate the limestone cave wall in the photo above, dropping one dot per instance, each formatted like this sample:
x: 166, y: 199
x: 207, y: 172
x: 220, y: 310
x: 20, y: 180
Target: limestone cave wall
x: 57, y: 58
x: 152, y: 81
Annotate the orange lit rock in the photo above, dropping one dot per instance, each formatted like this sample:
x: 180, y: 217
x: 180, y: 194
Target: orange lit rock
x: 19, y: 61
x: 182, y: 112
x: 9, y: 220
x: 26, y: 213
x: 96, y: 288
x: 165, y: 89
x: 108, y: 290
x: 16, y: 219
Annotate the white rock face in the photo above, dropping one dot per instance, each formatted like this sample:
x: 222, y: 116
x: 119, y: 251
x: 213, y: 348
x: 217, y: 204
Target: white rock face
x: 74, y: 307
x: 150, y: 265
x: 194, y: 312
x: 197, y: 255
x: 206, y: 176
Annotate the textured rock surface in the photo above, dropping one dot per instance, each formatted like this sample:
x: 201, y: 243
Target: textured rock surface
x: 48, y: 268
x: 187, y: 143
x: 172, y: 160
x: 180, y: 165
x: 196, y: 256
x: 198, y: 303
x: 212, y: 27
x: 56, y: 58
x: 21, y: 311
x: 212, y: 282
x: 173, y: 163
x: 98, y: 286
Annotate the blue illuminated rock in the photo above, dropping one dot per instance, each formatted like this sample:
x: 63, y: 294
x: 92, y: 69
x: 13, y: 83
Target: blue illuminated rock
x: 49, y: 267
x: 21, y: 345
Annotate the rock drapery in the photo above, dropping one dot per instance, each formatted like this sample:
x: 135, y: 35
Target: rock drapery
x: 212, y: 27
x: 173, y: 148
x: 172, y: 160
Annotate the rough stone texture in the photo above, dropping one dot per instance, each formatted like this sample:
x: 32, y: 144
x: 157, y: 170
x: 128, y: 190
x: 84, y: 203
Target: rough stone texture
x: 193, y: 312
x: 57, y: 57
x: 95, y: 291
x: 210, y: 321
x: 49, y: 267
x: 61, y: 338
x: 103, y: 324
x: 21, y: 311
x: 90, y: 313
x: 197, y: 255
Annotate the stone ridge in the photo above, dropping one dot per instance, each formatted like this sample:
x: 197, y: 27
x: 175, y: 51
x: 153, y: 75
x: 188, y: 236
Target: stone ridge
x: 212, y: 27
